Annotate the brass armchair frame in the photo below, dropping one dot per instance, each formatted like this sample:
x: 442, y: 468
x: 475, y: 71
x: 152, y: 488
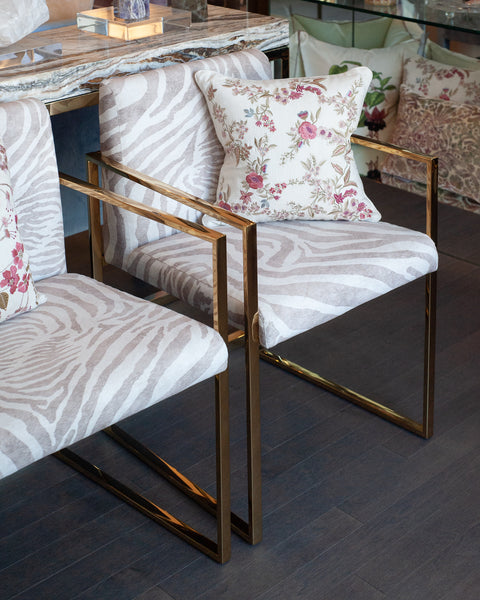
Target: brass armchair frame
x: 220, y: 548
x: 252, y: 530
x: 249, y: 530
x: 425, y: 427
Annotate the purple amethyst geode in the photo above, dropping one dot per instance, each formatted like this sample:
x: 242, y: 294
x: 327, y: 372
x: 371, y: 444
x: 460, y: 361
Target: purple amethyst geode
x: 131, y: 10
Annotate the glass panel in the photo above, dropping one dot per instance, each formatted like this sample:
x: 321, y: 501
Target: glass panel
x: 30, y: 56
x: 450, y: 14
x: 104, y: 22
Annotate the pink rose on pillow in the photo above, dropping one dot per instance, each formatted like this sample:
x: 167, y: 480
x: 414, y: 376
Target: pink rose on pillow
x: 307, y: 131
x: 17, y: 253
x: 10, y: 279
x: 254, y: 180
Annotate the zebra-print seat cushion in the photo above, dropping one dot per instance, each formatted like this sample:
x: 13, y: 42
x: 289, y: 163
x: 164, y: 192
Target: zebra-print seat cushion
x: 88, y: 357
x: 308, y: 272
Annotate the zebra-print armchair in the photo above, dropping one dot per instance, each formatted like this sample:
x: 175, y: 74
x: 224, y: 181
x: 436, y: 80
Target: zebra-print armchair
x: 90, y: 355
x: 284, y: 278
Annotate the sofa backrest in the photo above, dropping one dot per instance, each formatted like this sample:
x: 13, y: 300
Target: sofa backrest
x: 26, y: 134
x: 157, y: 122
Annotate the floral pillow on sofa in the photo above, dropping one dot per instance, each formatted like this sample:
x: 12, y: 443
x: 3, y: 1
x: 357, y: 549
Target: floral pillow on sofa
x: 438, y: 114
x: 17, y: 292
x: 287, y: 146
x: 379, y: 112
x: 432, y: 79
x: 441, y: 128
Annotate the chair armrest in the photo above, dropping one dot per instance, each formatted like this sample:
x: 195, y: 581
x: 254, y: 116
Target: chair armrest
x: 248, y: 228
x: 169, y: 190
x: 140, y: 209
x: 216, y: 238
x: 431, y: 178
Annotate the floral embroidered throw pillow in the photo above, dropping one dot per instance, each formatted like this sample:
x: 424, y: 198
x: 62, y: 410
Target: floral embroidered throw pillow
x: 287, y: 146
x: 17, y: 291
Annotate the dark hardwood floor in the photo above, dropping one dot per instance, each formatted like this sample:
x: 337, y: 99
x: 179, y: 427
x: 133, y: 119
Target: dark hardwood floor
x: 354, y: 507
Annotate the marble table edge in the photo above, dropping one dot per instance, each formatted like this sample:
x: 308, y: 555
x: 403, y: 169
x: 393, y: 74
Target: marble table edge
x: 68, y: 81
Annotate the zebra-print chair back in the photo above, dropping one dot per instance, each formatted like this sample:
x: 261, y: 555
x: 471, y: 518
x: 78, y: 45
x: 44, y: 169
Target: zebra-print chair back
x: 158, y: 122
x: 34, y: 176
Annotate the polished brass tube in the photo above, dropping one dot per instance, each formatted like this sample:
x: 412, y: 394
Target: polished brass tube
x: 94, y: 225
x: 221, y: 550
x: 250, y: 287
x: 253, y: 530
x: 169, y: 190
x: 342, y: 391
x: 144, y: 505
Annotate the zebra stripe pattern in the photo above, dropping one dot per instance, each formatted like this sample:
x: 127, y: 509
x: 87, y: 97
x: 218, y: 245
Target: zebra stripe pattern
x: 90, y: 355
x: 26, y: 133
x: 308, y: 272
x: 158, y: 122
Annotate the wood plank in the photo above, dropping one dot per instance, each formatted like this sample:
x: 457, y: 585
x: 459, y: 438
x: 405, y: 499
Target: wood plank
x: 354, y: 507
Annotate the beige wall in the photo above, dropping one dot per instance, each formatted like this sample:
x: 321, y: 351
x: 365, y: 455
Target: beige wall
x: 62, y: 10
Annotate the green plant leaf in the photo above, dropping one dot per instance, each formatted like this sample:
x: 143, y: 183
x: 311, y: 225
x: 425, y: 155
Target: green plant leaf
x: 374, y: 98
x: 335, y: 69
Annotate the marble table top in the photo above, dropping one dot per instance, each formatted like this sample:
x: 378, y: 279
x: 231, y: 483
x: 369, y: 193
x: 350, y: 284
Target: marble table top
x: 87, y: 58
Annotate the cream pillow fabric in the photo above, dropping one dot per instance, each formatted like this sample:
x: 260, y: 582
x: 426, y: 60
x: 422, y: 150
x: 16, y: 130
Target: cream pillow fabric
x: 380, y: 107
x: 17, y: 291
x: 368, y: 34
x: 287, y: 146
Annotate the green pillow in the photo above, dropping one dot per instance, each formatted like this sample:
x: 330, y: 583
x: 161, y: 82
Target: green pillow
x: 401, y: 31
x: 376, y: 33
x: 454, y: 59
x: 368, y: 34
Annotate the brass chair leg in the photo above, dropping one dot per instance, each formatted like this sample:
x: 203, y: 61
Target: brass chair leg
x: 253, y: 441
x: 429, y: 351
x: 252, y: 369
x: 423, y: 428
x: 219, y: 549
